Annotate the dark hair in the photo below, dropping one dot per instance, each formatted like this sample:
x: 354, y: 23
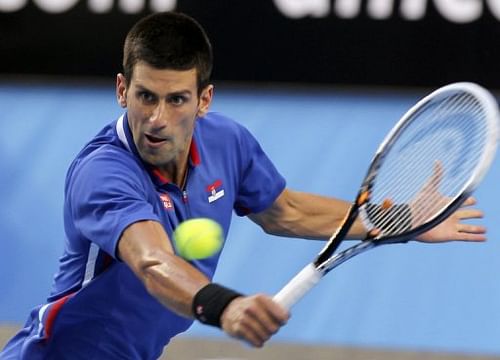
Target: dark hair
x: 169, y: 40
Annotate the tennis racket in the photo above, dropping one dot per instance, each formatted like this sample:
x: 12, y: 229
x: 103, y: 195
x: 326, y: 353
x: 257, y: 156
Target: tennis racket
x: 429, y: 163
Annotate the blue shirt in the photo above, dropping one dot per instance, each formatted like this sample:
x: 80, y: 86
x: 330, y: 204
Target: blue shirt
x: 98, y: 309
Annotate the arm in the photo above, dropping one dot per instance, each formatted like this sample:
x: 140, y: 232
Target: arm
x: 304, y: 215
x: 145, y: 248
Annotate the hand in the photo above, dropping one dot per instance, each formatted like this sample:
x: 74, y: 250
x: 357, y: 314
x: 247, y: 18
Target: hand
x: 253, y: 319
x: 454, y: 229
x: 428, y: 199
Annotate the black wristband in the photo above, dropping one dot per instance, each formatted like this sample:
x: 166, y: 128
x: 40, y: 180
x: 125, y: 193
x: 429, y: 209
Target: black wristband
x: 210, y: 301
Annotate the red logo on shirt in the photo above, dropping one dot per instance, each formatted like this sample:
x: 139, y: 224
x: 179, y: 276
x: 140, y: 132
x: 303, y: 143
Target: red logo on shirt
x: 215, y: 191
x: 167, y: 202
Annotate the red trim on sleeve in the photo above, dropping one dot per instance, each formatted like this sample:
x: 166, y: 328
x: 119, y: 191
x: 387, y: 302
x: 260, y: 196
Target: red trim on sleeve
x: 52, y: 315
x: 106, y: 261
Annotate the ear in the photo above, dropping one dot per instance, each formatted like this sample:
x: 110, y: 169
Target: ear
x: 205, y: 100
x: 121, y: 90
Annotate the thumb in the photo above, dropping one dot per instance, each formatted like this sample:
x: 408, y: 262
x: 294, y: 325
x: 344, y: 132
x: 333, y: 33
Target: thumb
x: 436, y: 177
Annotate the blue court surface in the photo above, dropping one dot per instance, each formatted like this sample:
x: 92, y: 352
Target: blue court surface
x: 414, y: 296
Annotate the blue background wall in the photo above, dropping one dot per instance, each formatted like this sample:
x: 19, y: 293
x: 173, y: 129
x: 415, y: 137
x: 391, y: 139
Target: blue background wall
x: 415, y: 296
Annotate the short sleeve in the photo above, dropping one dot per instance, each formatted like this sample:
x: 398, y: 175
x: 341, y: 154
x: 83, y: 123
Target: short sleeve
x: 260, y: 182
x: 104, y: 195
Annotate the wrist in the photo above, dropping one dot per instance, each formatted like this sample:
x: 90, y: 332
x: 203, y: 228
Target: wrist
x: 392, y: 220
x: 210, y: 302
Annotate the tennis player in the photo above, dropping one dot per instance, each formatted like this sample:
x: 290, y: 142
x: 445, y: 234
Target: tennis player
x: 121, y: 292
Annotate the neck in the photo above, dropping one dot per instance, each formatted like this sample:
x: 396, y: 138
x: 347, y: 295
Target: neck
x: 176, y: 171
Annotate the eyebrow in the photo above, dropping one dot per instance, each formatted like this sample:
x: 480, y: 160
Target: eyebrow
x: 178, y: 92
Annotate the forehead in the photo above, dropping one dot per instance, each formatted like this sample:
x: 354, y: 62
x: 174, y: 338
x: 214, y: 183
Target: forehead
x: 145, y: 75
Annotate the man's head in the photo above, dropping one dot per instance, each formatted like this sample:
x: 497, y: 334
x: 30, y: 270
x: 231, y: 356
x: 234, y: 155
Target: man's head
x: 169, y: 41
x: 165, y: 88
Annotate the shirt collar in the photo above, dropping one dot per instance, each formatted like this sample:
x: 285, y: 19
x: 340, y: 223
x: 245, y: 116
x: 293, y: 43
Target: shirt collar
x: 125, y: 134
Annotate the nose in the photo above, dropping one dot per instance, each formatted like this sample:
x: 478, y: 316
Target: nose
x: 159, y: 115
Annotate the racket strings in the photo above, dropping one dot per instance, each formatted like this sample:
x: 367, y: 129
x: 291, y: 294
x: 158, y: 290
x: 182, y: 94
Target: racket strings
x: 468, y: 109
x: 455, y: 123
x: 395, y: 183
x: 431, y: 203
x: 395, y: 219
x: 421, y: 213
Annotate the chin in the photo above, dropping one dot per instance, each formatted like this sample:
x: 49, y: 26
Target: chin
x: 156, y: 161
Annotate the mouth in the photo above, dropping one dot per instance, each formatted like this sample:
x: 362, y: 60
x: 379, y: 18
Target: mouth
x: 155, y: 141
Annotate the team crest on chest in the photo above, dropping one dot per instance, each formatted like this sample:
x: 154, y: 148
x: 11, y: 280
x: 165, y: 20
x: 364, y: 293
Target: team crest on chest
x: 215, y: 191
x: 167, y: 202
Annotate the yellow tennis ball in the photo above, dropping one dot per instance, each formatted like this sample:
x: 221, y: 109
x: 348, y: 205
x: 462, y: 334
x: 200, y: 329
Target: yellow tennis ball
x: 198, y: 238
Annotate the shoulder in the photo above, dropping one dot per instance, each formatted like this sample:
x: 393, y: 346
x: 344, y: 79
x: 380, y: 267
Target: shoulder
x: 104, y: 157
x: 218, y: 128
x: 218, y: 122
x: 110, y: 156
x: 105, y: 147
x: 106, y: 173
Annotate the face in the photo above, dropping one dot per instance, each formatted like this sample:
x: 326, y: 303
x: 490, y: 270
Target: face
x: 162, y: 107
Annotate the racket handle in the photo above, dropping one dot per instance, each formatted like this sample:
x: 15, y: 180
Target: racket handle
x: 296, y: 288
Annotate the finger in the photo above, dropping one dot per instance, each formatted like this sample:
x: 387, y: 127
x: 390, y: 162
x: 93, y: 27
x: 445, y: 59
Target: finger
x: 247, y: 329
x: 437, y: 174
x: 261, y: 318
x: 274, y: 312
x: 438, y: 171
x: 269, y: 315
x: 252, y: 335
x: 246, y: 333
x: 469, y: 201
x: 277, y: 312
x: 257, y: 331
x: 373, y: 233
x: 472, y: 229
x: 469, y: 214
x: 472, y: 237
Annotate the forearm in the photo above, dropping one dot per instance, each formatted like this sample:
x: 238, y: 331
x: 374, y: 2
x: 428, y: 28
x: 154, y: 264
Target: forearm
x: 305, y: 215
x: 173, y: 282
x: 145, y: 248
x: 176, y: 284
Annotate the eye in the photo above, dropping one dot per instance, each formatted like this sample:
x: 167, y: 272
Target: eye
x: 177, y: 100
x: 146, y: 97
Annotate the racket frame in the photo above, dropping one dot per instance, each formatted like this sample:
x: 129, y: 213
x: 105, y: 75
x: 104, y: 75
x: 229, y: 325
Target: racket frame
x: 327, y: 260
x: 363, y: 197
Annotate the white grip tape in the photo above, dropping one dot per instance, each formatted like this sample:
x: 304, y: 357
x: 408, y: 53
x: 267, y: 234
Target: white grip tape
x: 298, y: 286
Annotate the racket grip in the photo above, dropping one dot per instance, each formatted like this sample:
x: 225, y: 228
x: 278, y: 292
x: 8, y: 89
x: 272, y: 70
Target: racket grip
x: 296, y: 288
